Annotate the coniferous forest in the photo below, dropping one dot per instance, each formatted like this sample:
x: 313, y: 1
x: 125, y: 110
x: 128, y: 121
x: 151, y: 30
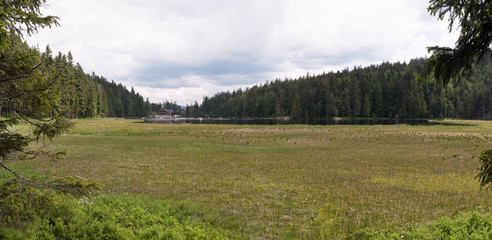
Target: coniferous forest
x: 388, y: 90
x: 89, y: 95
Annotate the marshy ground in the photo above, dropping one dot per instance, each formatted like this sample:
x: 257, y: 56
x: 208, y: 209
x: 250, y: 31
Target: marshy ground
x: 288, y: 181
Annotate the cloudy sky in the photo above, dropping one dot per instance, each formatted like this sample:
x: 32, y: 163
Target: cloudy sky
x: 182, y: 50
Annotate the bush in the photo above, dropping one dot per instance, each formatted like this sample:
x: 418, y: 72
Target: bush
x: 119, y: 217
x: 463, y: 226
x: 19, y: 206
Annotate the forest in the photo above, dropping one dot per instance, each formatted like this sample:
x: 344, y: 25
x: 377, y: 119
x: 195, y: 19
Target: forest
x: 89, y: 95
x: 387, y: 90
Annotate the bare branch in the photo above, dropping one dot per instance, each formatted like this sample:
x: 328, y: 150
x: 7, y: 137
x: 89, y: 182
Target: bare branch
x: 22, y: 179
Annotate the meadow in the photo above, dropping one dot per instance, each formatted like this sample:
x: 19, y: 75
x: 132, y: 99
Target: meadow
x: 287, y: 181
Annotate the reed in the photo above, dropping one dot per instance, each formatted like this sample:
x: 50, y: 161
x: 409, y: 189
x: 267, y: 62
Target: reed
x: 288, y: 181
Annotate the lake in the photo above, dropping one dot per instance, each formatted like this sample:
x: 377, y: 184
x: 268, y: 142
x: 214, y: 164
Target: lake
x: 284, y: 121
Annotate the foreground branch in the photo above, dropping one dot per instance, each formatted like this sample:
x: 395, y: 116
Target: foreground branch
x: 22, y: 179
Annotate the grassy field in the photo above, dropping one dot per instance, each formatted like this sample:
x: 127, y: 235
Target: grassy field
x: 288, y: 181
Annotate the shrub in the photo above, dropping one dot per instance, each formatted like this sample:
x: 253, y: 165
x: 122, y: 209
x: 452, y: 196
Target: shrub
x: 119, y: 217
x: 463, y: 226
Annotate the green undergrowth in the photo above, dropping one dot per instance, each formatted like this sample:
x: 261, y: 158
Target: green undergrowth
x: 462, y: 226
x: 34, y: 212
x: 120, y: 216
x: 111, y: 216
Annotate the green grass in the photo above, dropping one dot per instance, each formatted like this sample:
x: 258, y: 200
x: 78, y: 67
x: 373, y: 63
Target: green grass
x: 288, y: 181
x: 22, y: 167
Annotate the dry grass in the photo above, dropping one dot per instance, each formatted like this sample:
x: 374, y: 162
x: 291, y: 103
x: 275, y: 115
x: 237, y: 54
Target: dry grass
x: 288, y: 181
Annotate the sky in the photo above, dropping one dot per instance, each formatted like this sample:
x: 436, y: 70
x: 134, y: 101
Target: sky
x: 183, y: 50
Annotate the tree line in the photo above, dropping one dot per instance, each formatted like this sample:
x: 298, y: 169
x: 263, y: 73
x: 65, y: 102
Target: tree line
x: 387, y: 90
x: 88, y: 95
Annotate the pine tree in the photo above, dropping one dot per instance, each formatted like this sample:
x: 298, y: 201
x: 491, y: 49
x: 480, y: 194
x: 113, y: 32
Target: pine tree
x: 29, y: 92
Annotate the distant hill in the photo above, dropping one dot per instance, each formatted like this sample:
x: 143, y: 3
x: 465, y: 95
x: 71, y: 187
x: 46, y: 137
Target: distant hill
x: 387, y: 90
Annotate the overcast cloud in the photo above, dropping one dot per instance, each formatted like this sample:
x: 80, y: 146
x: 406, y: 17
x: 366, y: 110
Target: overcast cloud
x: 182, y: 50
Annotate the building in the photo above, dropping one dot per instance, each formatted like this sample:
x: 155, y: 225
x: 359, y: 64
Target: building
x: 166, y: 113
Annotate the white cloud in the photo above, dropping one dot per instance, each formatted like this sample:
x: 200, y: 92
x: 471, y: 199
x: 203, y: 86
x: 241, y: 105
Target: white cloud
x: 199, y: 88
x: 183, y: 50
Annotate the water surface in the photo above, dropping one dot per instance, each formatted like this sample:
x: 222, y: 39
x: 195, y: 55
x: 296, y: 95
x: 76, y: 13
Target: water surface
x: 284, y: 121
